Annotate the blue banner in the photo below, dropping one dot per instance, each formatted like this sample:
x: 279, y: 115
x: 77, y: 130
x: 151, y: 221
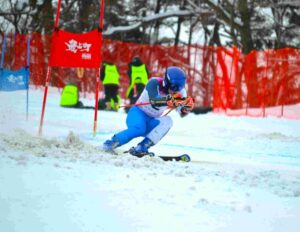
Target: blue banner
x: 14, y: 80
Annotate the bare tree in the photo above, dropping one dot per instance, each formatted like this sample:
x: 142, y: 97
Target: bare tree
x: 14, y: 15
x: 249, y: 24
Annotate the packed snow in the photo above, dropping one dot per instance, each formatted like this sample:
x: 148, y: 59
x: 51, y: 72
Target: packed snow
x: 244, y: 174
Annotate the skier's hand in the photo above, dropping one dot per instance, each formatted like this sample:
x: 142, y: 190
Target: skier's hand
x: 188, y: 104
x: 175, y: 100
x: 170, y: 100
x: 178, y: 96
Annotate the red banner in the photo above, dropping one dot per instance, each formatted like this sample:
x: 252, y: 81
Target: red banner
x: 75, y: 50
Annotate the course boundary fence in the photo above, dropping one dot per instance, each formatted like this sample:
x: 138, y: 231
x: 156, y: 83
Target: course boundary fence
x: 218, y: 77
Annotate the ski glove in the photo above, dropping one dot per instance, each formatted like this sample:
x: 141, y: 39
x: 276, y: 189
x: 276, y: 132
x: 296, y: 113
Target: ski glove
x: 173, y: 101
x: 188, y: 104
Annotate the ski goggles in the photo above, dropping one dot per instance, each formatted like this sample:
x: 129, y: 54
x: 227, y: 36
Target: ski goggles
x: 172, y: 86
x: 176, y: 88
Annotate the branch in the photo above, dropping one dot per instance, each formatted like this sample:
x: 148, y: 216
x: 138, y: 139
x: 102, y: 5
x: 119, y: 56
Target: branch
x: 13, y: 13
x: 224, y: 14
x: 147, y: 20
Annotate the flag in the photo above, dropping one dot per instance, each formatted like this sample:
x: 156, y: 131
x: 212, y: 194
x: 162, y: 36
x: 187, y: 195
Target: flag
x: 76, y: 50
x: 14, y: 80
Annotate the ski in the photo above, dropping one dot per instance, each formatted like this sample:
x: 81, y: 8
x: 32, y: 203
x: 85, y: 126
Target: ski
x: 183, y: 157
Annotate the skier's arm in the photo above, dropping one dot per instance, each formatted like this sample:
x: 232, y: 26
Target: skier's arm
x: 186, y: 106
x: 179, y: 101
x: 172, y: 101
x: 152, y: 88
x: 155, y: 99
x: 160, y: 101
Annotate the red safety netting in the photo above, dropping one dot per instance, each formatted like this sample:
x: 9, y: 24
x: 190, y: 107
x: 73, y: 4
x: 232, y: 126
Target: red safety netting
x: 222, y: 78
x: 259, y: 84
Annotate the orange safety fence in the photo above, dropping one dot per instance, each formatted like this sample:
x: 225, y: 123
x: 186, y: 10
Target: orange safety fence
x: 218, y: 77
x: 259, y: 84
x: 195, y: 60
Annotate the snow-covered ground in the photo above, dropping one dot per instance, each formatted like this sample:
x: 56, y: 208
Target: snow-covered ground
x: 245, y: 174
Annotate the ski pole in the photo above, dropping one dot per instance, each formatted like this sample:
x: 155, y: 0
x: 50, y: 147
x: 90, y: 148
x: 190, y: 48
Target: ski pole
x: 169, y: 111
x: 138, y: 104
x: 141, y: 104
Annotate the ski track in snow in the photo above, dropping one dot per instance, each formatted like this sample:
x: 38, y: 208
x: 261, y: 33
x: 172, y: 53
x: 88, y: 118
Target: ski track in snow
x: 73, y: 149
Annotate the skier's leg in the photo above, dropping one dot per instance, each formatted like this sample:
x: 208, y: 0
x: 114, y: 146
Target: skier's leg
x: 136, y: 123
x: 157, y: 128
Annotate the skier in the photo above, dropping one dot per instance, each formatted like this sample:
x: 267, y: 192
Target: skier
x: 148, y: 120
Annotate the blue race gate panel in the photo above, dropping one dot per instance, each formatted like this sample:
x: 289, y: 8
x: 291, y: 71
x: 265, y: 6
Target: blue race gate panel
x: 14, y: 80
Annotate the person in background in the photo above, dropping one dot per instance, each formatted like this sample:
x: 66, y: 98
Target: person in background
x: 70, y: 96
x: 110, y: 76
x: 150, y: 120
x: 138, y: 78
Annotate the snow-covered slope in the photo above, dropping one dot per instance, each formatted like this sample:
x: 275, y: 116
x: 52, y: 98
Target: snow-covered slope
x: 245, y: 174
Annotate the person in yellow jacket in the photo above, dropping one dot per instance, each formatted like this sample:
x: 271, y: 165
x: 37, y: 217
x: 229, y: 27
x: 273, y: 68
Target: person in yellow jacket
x: 138, y: 78
x: 110, y: 78
x: 70, y: 96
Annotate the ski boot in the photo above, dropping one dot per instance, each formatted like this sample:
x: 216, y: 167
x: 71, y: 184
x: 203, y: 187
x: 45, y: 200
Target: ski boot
x: 111, y: 144
x: 107, y: 106
x: 142, y: 149
x: 116, y: 107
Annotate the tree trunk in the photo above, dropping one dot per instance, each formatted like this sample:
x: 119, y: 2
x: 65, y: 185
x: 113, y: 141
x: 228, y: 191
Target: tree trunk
x: 47, y: 17
x: 180, y: 19
x: 245, y: 30
x: 157, y: 23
